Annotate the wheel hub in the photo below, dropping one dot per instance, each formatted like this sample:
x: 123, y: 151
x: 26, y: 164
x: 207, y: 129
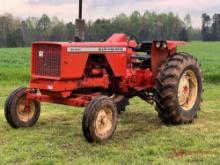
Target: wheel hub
x: 104, y: 121
x: 187, y: 90
x: 24, y: 113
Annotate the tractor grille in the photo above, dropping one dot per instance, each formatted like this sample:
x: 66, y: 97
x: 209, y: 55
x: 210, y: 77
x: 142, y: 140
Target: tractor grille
x: 47, y: 60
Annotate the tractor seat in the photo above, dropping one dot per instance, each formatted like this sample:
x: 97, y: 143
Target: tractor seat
x: 141, y: 56
x: 145, y: 46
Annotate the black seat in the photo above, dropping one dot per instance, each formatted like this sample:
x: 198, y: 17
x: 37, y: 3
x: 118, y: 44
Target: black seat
x: 142, y: 56
x: 145, y: 46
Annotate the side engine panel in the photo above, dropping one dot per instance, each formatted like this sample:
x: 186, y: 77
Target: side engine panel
x: 77, y: 57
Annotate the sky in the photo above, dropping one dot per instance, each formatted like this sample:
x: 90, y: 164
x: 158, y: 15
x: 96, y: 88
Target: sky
x: 92, y: 9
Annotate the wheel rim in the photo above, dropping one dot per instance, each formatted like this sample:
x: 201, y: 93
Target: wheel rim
x: 22, y: 113
x: 188, y: 90
x: 103, y: 123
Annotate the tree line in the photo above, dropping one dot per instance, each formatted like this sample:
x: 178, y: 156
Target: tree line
x: 210, y: 27
x: 17, y: 32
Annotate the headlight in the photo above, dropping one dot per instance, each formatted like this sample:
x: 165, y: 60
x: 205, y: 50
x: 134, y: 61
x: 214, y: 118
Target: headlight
x: 158, y: 44
x: 164, y: 45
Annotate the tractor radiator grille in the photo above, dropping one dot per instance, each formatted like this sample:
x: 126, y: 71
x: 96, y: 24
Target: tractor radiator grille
x: 47, y: 60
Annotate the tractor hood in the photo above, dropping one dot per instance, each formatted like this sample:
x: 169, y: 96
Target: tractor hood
x: 67, y: 60
x: 116, y: 43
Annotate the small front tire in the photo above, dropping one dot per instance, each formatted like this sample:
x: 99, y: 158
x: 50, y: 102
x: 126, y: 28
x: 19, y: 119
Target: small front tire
x: 15, y: 112
x: 100, y: 119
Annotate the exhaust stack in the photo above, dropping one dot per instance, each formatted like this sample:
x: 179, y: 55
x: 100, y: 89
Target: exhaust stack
x: 80, y: 25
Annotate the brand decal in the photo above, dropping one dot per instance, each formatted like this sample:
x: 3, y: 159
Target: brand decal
x: 50, y: 87
x: 96, y: 49
x: 41, y: 54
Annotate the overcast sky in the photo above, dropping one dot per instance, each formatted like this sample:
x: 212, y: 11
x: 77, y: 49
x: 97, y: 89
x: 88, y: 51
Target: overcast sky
x: 68, y: 9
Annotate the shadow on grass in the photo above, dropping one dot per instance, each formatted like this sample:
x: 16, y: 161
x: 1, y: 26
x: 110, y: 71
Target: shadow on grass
x: 130, y: 125
x: 133, y: 124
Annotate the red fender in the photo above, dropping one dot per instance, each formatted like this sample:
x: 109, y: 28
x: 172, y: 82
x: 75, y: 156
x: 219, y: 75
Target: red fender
x: 159, y: 55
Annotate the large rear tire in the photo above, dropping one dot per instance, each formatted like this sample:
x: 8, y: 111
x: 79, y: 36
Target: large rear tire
x: 178, y: 89
x: 100, y: 119
x: 16, y: 114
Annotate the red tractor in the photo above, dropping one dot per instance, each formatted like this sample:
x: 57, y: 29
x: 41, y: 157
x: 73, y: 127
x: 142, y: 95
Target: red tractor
x: 103, y: 76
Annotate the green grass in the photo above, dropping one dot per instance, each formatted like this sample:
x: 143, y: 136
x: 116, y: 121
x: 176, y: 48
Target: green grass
x: 140, y: 137
x: 209, y: 56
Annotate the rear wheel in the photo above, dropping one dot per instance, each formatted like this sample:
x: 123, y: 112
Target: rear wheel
x: 100, y: 119
x: 179, y: 89
x: 16, y: 113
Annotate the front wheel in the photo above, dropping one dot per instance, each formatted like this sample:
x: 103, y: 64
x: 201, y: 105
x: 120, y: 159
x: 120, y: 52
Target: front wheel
x: 100, y: 119
x: 179, y: 89
x: 16, y: 113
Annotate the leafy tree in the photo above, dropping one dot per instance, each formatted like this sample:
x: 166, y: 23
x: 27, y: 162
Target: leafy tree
x: 101, y: 29
x: 15, y: 39
x: 188, y: 22
x: 70, y: 31
x: 216, y: 27
x: 43, y: 28
x: 183, y: 35
x: 206, y: 20
x: 44, y: 23
x: 58, y: 32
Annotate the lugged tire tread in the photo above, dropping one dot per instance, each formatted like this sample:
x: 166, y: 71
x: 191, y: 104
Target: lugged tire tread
x: 166, y: 84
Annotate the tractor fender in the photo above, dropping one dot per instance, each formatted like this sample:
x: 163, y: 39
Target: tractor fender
x: 159, y: 55
x: 173, y: 44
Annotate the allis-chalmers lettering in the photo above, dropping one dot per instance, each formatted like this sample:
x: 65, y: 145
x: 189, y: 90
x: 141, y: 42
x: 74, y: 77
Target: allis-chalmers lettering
x: 96, y: 49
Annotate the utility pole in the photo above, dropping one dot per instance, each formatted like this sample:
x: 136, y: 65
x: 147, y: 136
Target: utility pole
x: 80, y: 25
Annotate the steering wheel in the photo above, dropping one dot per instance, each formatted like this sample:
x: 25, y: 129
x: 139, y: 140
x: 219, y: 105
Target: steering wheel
x: 132, y: 37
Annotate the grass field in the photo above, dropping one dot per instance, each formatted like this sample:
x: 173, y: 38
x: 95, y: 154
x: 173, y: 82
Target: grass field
x: 140, y: 137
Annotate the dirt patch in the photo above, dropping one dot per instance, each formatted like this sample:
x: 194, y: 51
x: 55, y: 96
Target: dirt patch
x: 178, y: 153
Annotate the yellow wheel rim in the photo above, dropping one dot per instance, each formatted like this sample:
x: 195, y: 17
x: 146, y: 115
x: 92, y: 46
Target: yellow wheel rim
x: 103, y: 123
x: 188, y: 90
x: 22, y: 113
